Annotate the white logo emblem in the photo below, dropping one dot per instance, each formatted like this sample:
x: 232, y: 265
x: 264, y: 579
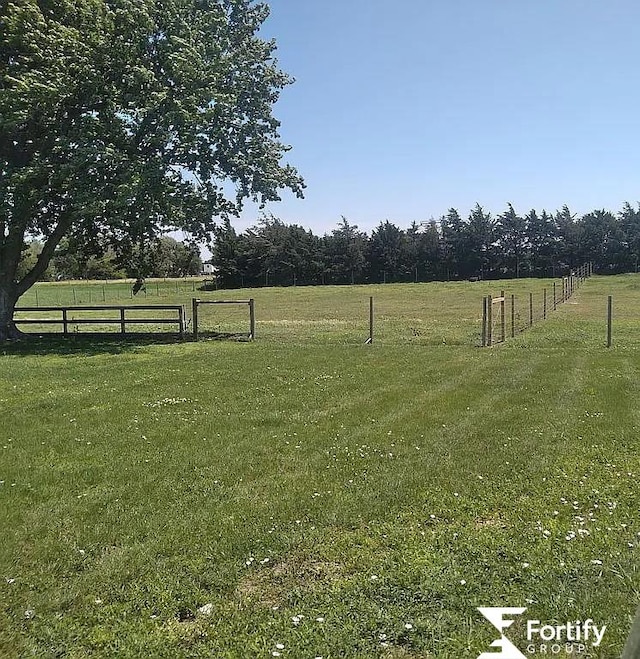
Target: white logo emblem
x: 494, y: 614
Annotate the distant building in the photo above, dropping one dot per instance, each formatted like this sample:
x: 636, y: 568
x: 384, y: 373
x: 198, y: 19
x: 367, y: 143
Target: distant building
x: 208, y: 269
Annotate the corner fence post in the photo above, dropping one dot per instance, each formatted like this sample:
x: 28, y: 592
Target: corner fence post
x: 609, y: 319
x: 194, y: 317
x: 252, y: 319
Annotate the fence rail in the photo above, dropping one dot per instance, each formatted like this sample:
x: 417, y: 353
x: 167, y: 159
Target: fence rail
x: 123, y: 320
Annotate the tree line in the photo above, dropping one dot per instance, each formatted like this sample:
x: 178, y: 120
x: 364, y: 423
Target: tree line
x: 483, y: 246
x: 81, y: 259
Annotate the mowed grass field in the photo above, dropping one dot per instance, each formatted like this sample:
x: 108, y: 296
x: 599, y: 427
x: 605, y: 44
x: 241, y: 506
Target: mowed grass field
x: 306, y: 495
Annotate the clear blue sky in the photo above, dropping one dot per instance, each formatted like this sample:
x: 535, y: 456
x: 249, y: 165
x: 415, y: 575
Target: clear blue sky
x: 403, y: 109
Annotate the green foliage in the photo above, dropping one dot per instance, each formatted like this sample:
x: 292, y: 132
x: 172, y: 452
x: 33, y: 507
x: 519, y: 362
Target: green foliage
x: 126, y: 119
x: 481, y: 246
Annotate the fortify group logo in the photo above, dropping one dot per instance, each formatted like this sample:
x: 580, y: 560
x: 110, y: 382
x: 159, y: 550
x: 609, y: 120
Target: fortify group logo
x: 495, y: 615
x: 571, y: 638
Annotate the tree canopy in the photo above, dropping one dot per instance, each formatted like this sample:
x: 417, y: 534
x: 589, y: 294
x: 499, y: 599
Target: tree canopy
x: 122, y: 119
x: 538, y: 244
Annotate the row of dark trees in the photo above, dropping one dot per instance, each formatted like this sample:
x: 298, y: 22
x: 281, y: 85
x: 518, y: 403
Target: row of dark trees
x: 508, y: 245
x: 75, y: 259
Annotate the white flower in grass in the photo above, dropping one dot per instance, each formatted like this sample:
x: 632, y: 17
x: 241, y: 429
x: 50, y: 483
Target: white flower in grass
x: 280, y: 646
x: 463, y: 582
x: 596, y: 562
x: 29, y: 613
x: 320, y: 619
x: 408, y: 626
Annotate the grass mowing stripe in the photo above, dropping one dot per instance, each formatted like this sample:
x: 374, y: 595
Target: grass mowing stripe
x: 170, y: 473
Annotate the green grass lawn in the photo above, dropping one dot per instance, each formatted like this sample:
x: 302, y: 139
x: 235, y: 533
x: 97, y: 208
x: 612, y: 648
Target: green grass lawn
x: 223, y: 499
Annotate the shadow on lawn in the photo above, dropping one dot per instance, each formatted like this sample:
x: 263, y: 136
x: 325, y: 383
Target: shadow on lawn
x: 85, y: 344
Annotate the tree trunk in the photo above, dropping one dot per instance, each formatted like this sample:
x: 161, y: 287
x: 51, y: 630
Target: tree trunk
x: 8, y: 330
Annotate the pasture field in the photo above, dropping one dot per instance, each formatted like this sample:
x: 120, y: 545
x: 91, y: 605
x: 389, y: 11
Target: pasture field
x: 306, y: 495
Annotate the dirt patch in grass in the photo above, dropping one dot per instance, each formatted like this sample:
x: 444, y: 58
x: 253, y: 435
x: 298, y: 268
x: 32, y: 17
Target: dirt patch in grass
x: 269, y: 586
x: 493, y: 522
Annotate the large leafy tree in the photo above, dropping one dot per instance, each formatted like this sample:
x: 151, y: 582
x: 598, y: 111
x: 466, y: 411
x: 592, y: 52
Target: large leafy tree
x: 128, y: 118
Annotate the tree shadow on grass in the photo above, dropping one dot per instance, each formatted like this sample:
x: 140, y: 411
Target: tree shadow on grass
x: 86, y: 344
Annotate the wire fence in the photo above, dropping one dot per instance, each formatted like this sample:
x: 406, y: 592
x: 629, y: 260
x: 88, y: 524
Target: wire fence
x: 507, y: 315
x: 429, y: 314
x: 108, y: 291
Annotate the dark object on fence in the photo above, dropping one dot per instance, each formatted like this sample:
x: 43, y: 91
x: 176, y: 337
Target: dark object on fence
x: 544, y: 304
x: 122, y: 320
x: 195, y: 303
x: 138, y: 286
x: 208, y: 285
x: 609, y: 320
x: 530, y: 309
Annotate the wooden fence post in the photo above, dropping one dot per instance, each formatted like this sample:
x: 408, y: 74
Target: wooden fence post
x: 555, y: 304
x: 513, y: 316
x: 371, y: 318
x: 489, y: 320
x: 502, y: 317
x: 484, y: 322
x: 609, y: 319
x: 194, y: 317
x: 122, y: 323
x: 544, y: 304
x: 252, y: 319
x: 530, y: 309
x: 181, y: 320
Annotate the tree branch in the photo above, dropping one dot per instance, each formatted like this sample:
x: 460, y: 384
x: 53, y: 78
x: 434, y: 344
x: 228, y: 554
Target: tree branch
x: 45, y: 255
